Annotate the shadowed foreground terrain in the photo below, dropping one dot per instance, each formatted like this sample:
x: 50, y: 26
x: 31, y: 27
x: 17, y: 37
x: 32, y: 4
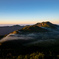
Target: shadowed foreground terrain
x: 12, y: 50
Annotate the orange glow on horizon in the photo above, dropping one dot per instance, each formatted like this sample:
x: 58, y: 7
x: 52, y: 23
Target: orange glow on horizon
x: 25, y: 22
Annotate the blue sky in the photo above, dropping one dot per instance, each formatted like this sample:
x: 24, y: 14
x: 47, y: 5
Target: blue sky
x: 28, y: 11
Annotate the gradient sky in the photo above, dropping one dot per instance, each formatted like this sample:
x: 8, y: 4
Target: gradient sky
x: 29, y: 11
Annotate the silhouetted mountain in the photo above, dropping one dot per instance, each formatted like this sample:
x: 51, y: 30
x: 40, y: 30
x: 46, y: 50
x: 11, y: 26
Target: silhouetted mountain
x: 16, y: 25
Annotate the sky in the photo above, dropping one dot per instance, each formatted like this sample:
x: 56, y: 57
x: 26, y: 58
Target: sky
x: 29, y: 11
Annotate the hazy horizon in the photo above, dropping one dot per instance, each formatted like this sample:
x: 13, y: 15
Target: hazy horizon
x: 14, y: 24
x: 17, y: 24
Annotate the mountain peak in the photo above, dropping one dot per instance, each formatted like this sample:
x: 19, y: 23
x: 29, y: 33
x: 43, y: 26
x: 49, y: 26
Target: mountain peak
x: 46, y: 24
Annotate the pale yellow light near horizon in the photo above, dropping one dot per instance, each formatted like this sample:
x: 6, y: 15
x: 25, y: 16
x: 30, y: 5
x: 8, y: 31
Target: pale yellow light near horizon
x: 18, y: 22
x: 25, y: 22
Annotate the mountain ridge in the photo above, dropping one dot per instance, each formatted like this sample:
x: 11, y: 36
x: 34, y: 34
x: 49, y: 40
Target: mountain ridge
x: 46, y: 24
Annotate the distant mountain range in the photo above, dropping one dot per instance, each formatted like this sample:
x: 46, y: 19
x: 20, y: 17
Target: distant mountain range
x: 4, y: 30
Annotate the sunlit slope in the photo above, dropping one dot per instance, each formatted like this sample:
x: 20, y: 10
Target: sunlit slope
x: 46, y: 24
x: 33, y: 28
